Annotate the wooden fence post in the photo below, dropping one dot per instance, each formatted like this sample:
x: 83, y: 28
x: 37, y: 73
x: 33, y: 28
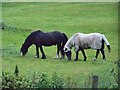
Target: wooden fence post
x: 119, y: 73
x: 95, y: 82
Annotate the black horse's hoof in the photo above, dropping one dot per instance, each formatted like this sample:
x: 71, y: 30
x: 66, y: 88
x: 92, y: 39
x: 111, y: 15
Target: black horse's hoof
x: 43, y: 57
x: 84, y: 59
x: 104, y: 59
x: 36, y: 56
x: 69, y: 59
x: 61, y: 58
x: 76, y: 60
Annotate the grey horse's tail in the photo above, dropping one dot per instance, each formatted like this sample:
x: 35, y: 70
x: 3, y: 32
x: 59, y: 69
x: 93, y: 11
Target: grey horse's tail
x: 107, y: 43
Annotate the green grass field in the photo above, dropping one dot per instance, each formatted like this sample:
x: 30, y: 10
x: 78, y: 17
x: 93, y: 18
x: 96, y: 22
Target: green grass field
x: 70, y: 18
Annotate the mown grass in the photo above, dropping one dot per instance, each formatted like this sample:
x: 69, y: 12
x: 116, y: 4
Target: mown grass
x: 70, y: 18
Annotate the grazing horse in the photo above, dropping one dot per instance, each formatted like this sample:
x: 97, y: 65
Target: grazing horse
x: 82, y: 41
x: 39, y: 39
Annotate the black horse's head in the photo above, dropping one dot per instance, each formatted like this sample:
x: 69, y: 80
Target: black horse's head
x: 23, y: 50
x: 27, y: 43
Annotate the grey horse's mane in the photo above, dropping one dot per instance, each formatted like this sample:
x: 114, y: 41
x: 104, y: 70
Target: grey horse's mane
x: 70, y: 42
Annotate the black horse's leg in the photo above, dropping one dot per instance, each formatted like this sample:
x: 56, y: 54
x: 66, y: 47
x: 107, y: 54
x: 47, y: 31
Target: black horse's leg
x: 62, y: 52
x: 43, y: 55
x: 84, y: 54
x: 77, y: 53
x: 102, y: 51
x: 37, y: 52
x: 58, y: 49
x: 97, y: 53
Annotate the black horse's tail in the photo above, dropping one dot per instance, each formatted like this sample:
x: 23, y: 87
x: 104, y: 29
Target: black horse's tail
x: 65, y: 39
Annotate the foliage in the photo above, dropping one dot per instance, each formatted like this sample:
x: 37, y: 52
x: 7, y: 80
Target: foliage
x: 11, y: 81
x: 8, y: 27
x: 41, y: 80
x: 56, y: 81
x: 38, y: 80
x: 2, y: 25
x: 16, y: 71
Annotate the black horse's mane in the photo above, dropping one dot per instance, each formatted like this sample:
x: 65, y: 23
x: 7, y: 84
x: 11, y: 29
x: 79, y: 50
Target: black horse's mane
x: 33, y: 34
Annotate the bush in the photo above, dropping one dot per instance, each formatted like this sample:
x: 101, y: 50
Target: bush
x: 2, y: 24
x: 38, y: 80
x: 11, y: 81
x: 56, y: 81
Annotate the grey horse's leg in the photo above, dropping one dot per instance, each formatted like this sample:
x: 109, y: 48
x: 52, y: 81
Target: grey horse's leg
x: 97, y: 53
x: 84, y: 54
x: 43, y: 55
x: 103, y: 53
x: 77, y: 53
x: 37, y: 52
x: 102, y: 50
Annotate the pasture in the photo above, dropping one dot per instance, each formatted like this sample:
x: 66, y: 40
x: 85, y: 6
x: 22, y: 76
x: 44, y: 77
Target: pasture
x: 23, y: 18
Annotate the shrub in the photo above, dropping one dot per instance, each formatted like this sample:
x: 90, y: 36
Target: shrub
x: 56, y: 81
x: 2, y: 24
x: 12, y: 82
x: 16, y: 72
x: 39, y: 80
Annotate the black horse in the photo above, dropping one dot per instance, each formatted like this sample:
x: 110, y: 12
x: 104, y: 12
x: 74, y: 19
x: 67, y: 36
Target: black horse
x: 39, y: 39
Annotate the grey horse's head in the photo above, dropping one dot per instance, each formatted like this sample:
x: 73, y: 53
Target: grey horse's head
x: 68, y: 53
x: 68, y: 46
